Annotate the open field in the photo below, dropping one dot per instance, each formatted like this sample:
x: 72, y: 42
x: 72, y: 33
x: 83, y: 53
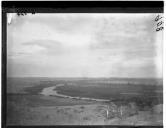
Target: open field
x: 139, y: 103
x: 116, y: 92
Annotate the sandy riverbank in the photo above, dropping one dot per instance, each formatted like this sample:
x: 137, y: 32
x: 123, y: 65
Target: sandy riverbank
x: 51, y: 91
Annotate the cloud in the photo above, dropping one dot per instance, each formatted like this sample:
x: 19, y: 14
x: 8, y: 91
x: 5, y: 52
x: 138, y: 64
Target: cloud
x: 84, y: 45
x: 50, y: 47
x: 67, y: 23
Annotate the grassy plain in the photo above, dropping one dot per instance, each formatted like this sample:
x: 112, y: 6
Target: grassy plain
x: 132, y: 102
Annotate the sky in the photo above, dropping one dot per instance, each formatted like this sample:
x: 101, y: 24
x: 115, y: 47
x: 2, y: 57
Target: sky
x: 84, y: 45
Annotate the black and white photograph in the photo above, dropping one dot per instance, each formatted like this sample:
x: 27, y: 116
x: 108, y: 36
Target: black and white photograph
x: 84, y: 69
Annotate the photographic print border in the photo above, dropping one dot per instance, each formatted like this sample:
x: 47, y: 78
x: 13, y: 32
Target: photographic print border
x: 66, y: 7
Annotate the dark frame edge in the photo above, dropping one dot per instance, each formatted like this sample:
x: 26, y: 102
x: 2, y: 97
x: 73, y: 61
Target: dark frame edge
x: 5, y: 10
x: 3, y: 68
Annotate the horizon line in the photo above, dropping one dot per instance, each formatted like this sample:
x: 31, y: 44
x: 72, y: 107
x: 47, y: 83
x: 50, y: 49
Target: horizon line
x: 84, y: 77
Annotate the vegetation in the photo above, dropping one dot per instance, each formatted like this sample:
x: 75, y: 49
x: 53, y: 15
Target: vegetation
x: 126, y: 100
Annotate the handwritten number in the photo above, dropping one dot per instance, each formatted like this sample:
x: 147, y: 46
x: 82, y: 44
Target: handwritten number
x: 159, y: 23
x: 158, y: 18
x: 161, y: 28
